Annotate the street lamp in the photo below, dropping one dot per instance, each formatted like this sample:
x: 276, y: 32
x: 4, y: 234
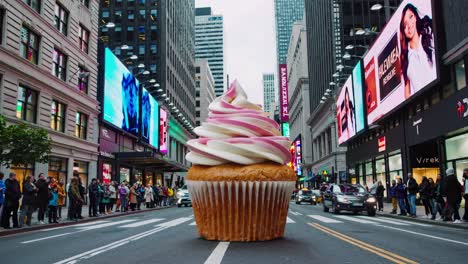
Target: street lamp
x: 348, y: 56
x: 143, y: 73
x: 340, y: 67
x: 350, y: 47
x: 159, y: 90
x: 124, y: 47
x: 331, y: 84
x: 377, y: 7
x: 141, y: 65
x: 361, y: 32
x: 108, y: 25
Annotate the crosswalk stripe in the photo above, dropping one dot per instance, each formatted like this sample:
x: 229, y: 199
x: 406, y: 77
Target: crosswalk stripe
x: 349, y: 218
x: 142, y: 223
x: 324, y: 219
x: 91, y: 223
x: 290, y: 221
x: 378, y: 219
x: 406, y: 222
x: 193, y: 223
x: 295, y: 213
x: 106, y: 224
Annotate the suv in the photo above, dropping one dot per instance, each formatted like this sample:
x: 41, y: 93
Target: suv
x: 183, y: 197
x: 304, y: 196
x: 346, y: 197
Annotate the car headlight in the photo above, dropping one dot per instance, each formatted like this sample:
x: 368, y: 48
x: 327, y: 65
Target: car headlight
x: 313, y: 197
x: 342, y: 199
x: 371, y: 200
x: 300, y: 196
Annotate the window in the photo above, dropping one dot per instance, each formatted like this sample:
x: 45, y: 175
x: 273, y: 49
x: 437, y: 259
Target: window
x: 142, y: 15
x: 29, y: 46
x: 61, y: 18
x: 57, y: 116
x: 83, y: 78
x: 154, y: 14
x: 130, y: 15
x: 80, y: 169
x: 34, y: 4
x: 141, y: 49
x: 130, y: 33
x: 59, y: 67
x: 197, y: 70
x: 58, y: 169
x: 26, y: 104
x: 153, y: 48
x: 81, y: 123
x: 118, y: 16
x: 460, y: 75
x: 83, y: 38
x: 85, y: 3
x: 2, y: 16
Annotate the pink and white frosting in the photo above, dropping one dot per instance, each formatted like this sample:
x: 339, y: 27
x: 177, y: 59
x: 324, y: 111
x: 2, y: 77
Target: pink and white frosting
x: 237, y: 131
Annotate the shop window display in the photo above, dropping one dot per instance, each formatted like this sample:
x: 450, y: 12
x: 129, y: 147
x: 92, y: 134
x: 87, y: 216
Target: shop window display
x: 395, y: 167
x: 106, y: 172
x: 22, y: 172
x: 124, y: 175
x: 149, y: 178
x: 138, y: 176
x: 58, y: 169
x: 380, y: 171
x: 81, y: 168
x: 369, y: 174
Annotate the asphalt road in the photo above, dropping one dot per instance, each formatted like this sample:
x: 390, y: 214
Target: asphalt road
x: 170, y: 236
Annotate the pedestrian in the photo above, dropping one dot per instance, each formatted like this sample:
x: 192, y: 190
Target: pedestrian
x: 161, y: 195
x: 373, y: 188
x: 412, y: 189
x: 123, y: 197
x: 155, y: 195
x: 2, y: 191
x: 105, y: 200
x: 425, y: 192
x: 28, y: 201
x: 42, y: 197
x: 141, y: 195
x: 11, y: 201
x: 76, y: 200
x: 82, y: 191
x: 166, y: 196
x: 112, y: 197
x: 393, y: 197
x: 100, y: 196
x: 133, y: 196
x: 452, y: 197
x: 53, y: 204
x: 149, y: 196
x: 439, y: 203
x: 401, y: 194
x: 93, y: 191
x: 61, y: 198
x: 379, y: 193
x: 465, y: 193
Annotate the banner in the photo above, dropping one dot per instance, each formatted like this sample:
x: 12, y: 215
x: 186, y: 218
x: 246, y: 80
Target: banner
x: 283, y: 78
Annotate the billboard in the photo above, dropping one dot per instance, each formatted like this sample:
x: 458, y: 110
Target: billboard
x: 163, y: 131
x: 283, y: 78
x: 296, y: 156
x: 358, y: 97
x: 121, y: 95
x: 402, y: 60
x: 149, y: 119
x: 346, y: 112
x: 285, y: 129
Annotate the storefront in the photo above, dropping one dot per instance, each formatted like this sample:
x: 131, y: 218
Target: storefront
x: 456, y: 148
x: 81, y: 169
x: 58, y: 169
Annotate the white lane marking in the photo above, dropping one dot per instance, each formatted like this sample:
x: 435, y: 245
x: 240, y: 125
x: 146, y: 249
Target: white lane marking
x: 142, y: 223
x: 44, y: 238
x: 54, y: 228
x: 193, y: 223
x: 77, y: 225
x: 406, y: 222
x: 349, y: 218
x: 218, y: 253
x: 425, y: 235
x: 378, y: 219
x: 290, y: 221
x: 325, y: 219
x: 106, y: 224
x: 97, y: 251
x: 295, y: 213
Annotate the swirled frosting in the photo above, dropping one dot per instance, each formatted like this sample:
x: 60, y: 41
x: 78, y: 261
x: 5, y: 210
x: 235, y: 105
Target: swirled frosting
x: 237, y: 131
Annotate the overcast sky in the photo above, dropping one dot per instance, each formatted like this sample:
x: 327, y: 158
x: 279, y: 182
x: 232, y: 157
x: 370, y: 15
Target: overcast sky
x: 250, y: 49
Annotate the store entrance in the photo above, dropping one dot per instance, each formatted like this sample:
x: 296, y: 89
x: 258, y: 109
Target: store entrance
x: 425, y: 161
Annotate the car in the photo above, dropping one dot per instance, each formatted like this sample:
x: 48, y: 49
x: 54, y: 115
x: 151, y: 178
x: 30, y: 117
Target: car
x: 183, y: 197
x: 304, y: 196
x: 349, y: 197
x: 316, y: 196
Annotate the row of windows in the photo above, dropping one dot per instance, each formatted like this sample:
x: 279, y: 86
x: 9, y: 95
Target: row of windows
x: 26, y: 109
x: 131, y: 14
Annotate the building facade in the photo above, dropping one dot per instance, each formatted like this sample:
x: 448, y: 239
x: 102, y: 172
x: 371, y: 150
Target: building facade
x: 209, y: 43
x: 286, y: 13
x: 298, y: 85
x: 205, y: 93
x: 48, y: 79
x: 269, y: 93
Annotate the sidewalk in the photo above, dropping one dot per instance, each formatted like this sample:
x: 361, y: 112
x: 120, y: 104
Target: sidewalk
x: 421, y: 217
x: 64, y: 222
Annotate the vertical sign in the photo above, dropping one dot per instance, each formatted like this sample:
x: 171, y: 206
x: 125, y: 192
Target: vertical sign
x: 382, y: 144
x: 283, y: 77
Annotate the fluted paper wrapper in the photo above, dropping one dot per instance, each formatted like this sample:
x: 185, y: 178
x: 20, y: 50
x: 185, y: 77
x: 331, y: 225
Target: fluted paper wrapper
x: 240, y: 210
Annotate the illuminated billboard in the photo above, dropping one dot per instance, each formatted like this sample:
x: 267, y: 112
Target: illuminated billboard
x: 163, y: 131
x: 346, y: 112
x: 402, y: 60
x: 358, y: 97
x: 121, y: 95
x: 149, y: 119
x: 284, y: 103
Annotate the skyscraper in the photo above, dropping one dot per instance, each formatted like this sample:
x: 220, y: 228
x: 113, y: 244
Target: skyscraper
x: 204, y: 90
x: 268, y: 91
x: 209, y: 44
x: 286, y: 13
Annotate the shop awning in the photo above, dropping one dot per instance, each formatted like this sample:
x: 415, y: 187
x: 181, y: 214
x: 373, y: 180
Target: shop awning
x: 148, y: 159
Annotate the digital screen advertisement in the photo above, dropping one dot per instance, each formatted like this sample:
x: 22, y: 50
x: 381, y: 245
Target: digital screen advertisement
x: 358, y: 97
x: 121, y: 95
x: 164, y: 131
x: 283, y: 78
x: 296, y: 155
x: 149, y: 119
x: 346, y: 112
x: 401, y: 62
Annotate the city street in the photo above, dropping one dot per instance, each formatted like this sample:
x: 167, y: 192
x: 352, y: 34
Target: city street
x: 170, y: 236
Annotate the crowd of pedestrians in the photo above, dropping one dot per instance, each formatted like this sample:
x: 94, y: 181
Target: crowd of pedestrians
x: 48, y: 196
x: 442, y: 197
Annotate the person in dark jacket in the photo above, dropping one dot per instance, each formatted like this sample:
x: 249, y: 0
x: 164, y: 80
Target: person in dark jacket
x: 465, y: 193
x: 401, y: 194
x: 425, y: 192
x: 76, y: 199
x: 28, y: 202
x: 379, y: 193
x: 93, y: 192
x: 2, y: 190
x: 42, y: 197
x: 452, y: 196
x: 11, y: 203
x: 393, y: 197
x: 438, y: 201
x: 412, y: 187
x: 82, y: 191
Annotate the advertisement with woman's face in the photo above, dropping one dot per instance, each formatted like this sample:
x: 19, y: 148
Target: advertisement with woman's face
x: 121, y: 95
x: 345, y: 112
x: 401, y: 61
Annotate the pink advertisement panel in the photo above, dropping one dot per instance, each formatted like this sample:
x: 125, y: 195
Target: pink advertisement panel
x: 163, y: 131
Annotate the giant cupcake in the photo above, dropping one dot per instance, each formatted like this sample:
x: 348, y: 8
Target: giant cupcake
x: 239, y: 182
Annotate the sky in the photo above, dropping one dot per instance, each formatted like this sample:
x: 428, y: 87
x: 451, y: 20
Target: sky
x: 250, y: 45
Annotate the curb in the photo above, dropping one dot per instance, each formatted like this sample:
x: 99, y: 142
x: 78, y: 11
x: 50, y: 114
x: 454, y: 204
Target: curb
x: 15, y: 231
x: 422, y: 221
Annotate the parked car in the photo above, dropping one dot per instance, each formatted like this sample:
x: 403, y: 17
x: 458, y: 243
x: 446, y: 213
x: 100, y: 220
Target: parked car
x: 183, y: 197
x: 346, y: 197
x: 304, y: 196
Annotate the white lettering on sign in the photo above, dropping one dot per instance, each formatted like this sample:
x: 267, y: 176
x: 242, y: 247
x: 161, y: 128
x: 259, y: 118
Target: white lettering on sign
x: 422, y: 160
x: 284, y: 92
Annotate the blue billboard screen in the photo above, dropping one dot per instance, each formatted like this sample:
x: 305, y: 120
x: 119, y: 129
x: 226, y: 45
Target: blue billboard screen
x: 149, y: 119
x: 358, y: 97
